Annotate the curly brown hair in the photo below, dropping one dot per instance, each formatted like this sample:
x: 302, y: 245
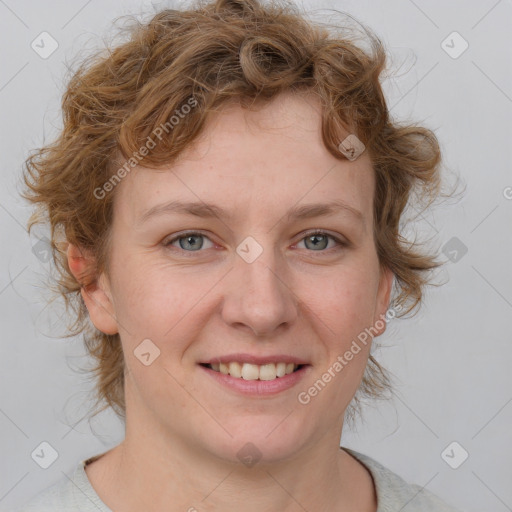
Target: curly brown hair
x: 215, y: 52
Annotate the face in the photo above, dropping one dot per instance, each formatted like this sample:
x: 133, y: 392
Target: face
x: 249, y: 284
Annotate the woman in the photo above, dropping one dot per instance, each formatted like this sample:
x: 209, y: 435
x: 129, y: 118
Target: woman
x: 225, y: 198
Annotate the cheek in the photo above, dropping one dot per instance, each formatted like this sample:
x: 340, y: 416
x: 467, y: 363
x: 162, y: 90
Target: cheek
x: 343, y: 301
x: 151, y: 302
x: 342, y: 315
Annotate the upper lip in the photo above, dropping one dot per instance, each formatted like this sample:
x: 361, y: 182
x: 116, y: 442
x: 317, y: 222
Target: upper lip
x: 253, y: 359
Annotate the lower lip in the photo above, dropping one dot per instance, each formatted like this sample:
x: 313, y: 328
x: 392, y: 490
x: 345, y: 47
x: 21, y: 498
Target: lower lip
x: 258, y: 387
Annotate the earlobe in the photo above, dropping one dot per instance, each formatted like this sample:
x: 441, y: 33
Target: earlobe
x: 383, y: 296
x: 95, y: 290
x: 387, y: 278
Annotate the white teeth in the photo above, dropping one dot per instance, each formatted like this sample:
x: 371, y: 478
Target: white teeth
x: 248, y: 371
x: 281, y: 369
x: 268, y: 371
x: 235, y: 369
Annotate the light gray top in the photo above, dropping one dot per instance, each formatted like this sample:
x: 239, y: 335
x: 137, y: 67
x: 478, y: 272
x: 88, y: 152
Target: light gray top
x: 393, y: 493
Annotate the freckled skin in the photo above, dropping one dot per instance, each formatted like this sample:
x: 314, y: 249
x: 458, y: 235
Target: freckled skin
x: 183, y: 429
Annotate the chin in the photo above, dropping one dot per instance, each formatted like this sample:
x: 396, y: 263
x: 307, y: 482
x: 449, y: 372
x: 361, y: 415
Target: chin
x: 259, y: 440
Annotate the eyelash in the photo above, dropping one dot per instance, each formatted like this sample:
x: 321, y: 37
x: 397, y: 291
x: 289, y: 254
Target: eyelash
x: 341, y: 244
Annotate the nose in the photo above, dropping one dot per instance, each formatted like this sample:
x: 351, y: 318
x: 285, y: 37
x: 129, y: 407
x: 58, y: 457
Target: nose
x: 258, y: 297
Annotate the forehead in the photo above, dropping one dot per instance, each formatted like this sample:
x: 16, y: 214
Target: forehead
x: 259, y: 162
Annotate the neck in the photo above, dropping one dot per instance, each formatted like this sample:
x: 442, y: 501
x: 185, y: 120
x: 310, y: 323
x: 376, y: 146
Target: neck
x: 153, y: 470
x: 136, y: 476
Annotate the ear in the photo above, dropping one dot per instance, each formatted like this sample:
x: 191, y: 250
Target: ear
x: 383, y: 295
x: 95, y: 290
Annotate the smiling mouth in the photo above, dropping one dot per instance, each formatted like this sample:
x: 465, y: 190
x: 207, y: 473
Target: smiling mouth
x: 247, y: 371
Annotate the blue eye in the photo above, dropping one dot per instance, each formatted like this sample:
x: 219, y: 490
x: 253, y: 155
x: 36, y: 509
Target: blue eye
x: 193, y: 241
x: 190, y: 241
x: 319, y: 240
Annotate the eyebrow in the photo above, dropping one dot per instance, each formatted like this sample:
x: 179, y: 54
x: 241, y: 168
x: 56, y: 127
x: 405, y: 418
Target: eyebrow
x: 207, y: 210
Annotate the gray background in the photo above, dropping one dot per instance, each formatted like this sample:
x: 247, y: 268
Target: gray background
x: 451, y: 361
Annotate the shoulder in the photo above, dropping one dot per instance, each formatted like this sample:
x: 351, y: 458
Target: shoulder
x: 394, y: 493
x: 57, y: 498
x: 69, y: 494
